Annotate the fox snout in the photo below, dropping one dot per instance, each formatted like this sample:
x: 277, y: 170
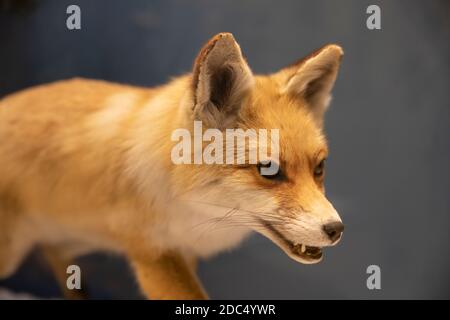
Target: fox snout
x: 331, y: 225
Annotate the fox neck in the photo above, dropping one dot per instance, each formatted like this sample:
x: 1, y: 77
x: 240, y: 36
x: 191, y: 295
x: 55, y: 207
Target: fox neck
x: 180, y: 225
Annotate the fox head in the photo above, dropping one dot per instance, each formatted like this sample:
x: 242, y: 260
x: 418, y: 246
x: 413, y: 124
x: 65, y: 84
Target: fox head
x: 289, y: 207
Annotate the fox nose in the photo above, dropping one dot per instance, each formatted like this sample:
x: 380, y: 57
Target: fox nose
x: 334, y: 230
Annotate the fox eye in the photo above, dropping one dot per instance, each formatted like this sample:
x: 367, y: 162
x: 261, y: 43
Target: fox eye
x: 278, y: 175
x: 319, y: 169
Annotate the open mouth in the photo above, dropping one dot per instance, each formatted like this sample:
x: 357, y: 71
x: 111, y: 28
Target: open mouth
x: 297, y: 251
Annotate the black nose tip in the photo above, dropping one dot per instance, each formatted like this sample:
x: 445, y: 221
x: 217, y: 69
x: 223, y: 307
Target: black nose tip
x: 334, y: 230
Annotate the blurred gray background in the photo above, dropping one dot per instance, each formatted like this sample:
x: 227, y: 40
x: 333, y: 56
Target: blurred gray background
x: 388, y: 128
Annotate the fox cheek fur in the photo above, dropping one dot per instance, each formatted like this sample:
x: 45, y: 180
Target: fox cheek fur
x: 93, y: 171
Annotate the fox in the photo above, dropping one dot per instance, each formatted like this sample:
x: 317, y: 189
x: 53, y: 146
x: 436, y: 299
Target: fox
x: 85, y: 166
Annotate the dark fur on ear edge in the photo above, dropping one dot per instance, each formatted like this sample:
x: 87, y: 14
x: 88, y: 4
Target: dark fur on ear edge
x: 220, y: 79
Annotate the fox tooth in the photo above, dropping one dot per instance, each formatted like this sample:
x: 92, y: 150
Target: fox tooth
x: 303, y: 248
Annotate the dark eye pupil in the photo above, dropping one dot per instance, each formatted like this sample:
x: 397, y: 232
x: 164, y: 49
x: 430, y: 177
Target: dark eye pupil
x: 276, y: 176
x: 318, y: 171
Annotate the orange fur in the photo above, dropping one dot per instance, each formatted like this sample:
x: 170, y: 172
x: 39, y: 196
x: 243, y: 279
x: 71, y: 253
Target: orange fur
x: 85, y: 165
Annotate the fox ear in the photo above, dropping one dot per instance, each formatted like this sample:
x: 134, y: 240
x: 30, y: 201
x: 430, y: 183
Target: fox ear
x: 313, y: 77
x: 220, y: 80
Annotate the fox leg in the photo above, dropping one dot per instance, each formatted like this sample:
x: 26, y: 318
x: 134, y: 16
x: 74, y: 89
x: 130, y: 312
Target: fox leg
x: 11, y: 255
x: 58, y: 260
x: 14, y: 244
x: 168, y: 276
